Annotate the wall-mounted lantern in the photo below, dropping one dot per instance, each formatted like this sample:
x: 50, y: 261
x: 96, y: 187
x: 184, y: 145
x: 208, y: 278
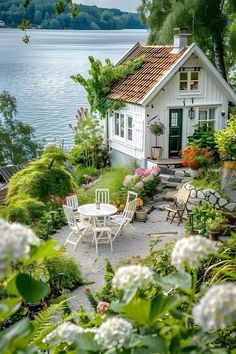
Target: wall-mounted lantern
x: 191, y: 113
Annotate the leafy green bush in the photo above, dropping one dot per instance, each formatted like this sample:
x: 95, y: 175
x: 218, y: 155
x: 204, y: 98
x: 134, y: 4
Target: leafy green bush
x: 24, y: 209
x: 3, y: 211
x: 204, y: 137
x: 64, y: 272
x: 226, y: 140
x: 82, y: 172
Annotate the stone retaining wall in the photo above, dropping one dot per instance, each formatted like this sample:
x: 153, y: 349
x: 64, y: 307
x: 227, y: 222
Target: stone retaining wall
x: 208, y: 195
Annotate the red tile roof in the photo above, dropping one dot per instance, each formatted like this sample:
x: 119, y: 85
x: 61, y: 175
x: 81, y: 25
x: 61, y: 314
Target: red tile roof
x: 134, y: 87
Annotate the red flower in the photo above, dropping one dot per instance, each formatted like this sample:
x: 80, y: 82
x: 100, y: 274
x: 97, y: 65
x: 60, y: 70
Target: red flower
x: 86, y: 290
x: 48, y: 197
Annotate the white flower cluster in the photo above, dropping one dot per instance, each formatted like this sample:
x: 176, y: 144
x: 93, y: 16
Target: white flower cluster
x: 190, y: 251
x: 132, y: 277
x: 115, y: 331
x: 217, y: 308
x: 15, y: 243
x: 65, y: 333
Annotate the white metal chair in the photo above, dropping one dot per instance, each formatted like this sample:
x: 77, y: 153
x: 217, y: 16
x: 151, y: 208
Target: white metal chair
x: 78, y: 228
x: 131, y: 196
x: 122, y: 220
x: 102, y: 235
x: 102, y: 195
x: 72, y: 202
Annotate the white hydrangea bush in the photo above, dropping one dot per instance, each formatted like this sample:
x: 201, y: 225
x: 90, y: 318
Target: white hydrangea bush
x: 132, y: 277
x: 191, y: 251
x: 15, y: 244
x: 66, y: 333
x: 217, y: 308
x: 113, y: 332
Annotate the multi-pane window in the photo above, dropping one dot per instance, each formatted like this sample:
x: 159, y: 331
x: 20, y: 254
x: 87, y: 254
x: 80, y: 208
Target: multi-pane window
x: 120, y: 125
x: 207, y: 116
x: 188, y: 80
x: 129, y: 128
x: 123, y: 126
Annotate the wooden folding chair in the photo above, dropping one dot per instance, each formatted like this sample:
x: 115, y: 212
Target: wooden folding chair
x: 176, y: 212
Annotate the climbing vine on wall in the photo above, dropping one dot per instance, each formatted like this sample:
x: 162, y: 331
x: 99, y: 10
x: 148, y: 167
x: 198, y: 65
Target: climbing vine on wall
x: 99, y: 82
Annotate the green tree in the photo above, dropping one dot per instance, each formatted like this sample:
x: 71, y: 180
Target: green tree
x: 17, y: 144
x: 208, y: 19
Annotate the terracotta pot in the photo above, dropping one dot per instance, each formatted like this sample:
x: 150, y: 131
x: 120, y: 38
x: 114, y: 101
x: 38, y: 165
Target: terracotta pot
x: 156, y: 152
x: 214, y: 235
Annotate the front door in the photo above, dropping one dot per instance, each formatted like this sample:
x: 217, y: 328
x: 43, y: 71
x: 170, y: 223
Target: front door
x: 175, y: 132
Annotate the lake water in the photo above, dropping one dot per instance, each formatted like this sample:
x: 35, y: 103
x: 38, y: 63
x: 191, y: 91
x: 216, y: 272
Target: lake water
x: 38, y: 74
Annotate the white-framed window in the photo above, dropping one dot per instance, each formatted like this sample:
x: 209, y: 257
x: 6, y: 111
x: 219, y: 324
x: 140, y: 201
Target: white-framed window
x: 129, y: 128
x: 119, y: 125
x: 207, y: 115
x: 189, y: 81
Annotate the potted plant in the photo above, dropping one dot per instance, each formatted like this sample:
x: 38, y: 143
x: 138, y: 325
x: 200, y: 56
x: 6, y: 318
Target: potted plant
x: 156, y: 129
x: 214, y: 227
x: 196, y: 159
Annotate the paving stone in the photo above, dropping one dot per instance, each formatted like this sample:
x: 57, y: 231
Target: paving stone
x: 217, y: 195
x: 231, y: 206
x: 222, y: 202
x: 193, y: 193
x: 200, y: 195
x: 212, y: 199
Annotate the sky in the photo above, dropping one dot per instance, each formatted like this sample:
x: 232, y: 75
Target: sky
x: 125, y: 5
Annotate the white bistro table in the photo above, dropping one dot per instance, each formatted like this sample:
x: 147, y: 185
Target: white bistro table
x: 100, y: 228
x: 91, y: 211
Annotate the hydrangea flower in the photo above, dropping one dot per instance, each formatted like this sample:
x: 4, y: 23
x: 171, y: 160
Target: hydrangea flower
x: 65, y: 333
x: 139, y: 171
x: 155, y: 170
x: 217, y: 308
x: 139, y: 185
x: 147, y: 172
x: 103, y: 307
x: 128, y: 179
x: 15, y: 243
x: 190, y: 251
x: 132, y: 277
x: 115, y: 331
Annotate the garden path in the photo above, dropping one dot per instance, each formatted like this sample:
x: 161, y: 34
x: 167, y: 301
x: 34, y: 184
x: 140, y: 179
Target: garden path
x: 133, y: 240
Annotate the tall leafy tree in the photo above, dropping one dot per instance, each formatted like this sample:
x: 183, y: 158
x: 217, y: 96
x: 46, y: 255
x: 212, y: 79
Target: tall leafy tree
x: 207, y: 20
x: 17, y: 144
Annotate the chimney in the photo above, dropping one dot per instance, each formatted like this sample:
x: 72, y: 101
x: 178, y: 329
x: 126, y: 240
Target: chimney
x: 180, y: 37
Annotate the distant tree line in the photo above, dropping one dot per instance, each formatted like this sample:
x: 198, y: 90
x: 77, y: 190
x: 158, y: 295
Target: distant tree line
x: 41, y: 14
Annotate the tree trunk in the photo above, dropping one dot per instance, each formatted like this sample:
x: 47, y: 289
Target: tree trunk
x: 219, y: 56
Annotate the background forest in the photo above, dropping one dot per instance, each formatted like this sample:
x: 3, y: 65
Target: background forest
x: 42, y: 14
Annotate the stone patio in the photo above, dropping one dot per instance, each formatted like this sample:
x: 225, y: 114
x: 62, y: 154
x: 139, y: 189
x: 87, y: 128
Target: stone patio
x: 134, y: 240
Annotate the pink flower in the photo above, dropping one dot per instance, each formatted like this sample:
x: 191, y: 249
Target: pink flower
x: 86, y: 290
x: 109, y: 153
x: 145, y: 179
x: 139, y: 171
x: 103, y: 307
x: 155, y: 170
x: 139, y: 185
x: 147, y: 172
x: 128, y: 260
x: 127, y: 180
x: 100, y: 147
x: 150, y: 178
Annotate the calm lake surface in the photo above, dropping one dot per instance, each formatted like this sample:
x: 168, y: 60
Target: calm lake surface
x: 38, y: 74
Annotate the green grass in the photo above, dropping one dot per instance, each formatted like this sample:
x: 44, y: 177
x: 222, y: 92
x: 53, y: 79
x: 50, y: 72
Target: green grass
x: 210, y: 179
x: 112, y: 179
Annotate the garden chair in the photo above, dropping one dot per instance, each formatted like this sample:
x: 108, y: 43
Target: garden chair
x: 179, y: 206
x: 125, y: 218
x: 131, y: 196
x: 102, y: 235
x: 78, y: 228
x: 102, y: 196
x: 72, y: 202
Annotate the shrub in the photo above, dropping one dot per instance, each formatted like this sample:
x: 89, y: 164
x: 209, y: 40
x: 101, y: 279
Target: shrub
x: 23, y: 209
x: 226, y: 140
x: 196, y: 158
x: 204, y: 137
x: 82, y: 172
x: 64, y: 272
x: 144, y: 182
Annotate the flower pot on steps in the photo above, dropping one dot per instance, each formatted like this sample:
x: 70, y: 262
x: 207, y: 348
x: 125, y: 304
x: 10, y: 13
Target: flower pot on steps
x: 156, y: 152
x: 141, y: 215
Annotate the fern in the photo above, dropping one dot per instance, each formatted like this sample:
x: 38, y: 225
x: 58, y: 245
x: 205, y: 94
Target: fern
x: 46, y: 321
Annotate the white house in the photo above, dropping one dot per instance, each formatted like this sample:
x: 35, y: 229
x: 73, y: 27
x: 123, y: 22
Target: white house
x: 178, y: 86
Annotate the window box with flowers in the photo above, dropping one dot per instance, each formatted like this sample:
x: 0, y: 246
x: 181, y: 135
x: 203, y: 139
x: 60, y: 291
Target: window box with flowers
x: 196, y: 159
